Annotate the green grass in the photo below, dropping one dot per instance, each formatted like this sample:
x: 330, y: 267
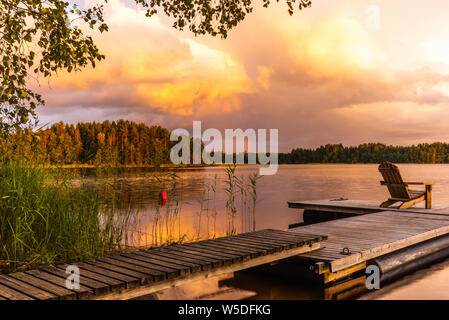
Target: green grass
x: 44, y: 219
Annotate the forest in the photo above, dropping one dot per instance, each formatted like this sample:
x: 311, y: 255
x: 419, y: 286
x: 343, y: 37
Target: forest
x: 437, y: 152
x: 106, y: 143
x: 122, y: 142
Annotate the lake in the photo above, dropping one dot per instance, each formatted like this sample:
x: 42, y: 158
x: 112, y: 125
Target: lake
x: 196, y: 209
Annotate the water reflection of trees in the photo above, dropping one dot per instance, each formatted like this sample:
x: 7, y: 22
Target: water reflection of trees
x: 198, y: 205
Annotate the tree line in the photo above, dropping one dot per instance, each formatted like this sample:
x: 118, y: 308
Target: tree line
x: 128, y: 143
x: 437, y: 152
x: 106, y: 143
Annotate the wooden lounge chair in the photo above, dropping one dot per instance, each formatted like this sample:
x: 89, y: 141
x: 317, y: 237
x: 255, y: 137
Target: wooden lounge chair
x: 399, y: 190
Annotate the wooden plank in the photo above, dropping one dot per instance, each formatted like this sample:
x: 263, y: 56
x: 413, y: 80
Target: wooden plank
x: 235, y: 247
x: 143, y: 277
x: 62, y: 293
x: 97, y: 286
x: 246, y: 244
x: 218, y: 251
x: 154, y: 274
x: 114, y: 284
x: 160, y: 262
x: 81, y: 293
x: 261, y: 240
x: 130, y: 282
x: 194, y: 267
x: 26, y: 288
x: 195, y: 251
x: 283, y: 242
x: 294, y: 236
x: 169, y: 272
x: 180, y: 258
x: 10, y: 294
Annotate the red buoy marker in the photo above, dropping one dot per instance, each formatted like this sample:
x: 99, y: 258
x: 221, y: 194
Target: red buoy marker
x: 163, y: 197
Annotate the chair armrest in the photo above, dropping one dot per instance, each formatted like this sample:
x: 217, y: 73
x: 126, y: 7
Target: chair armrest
x: 392, y: 184
x: 406, y: 183
x: 423, y: 183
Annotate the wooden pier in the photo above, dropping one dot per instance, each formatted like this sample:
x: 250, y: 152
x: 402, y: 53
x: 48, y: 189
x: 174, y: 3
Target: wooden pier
x: 139, y: 273
x: 355, y: 240
x: 361, y: 231
x: 339, y: 250
x: 360, y: 206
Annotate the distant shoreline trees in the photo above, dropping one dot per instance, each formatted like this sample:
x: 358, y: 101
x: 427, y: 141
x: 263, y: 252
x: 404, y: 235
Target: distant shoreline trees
x: 436, y: 152
x: 126, y: 143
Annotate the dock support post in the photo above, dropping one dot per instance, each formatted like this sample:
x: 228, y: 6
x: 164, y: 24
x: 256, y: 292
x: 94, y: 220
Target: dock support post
x: 428, y: 196
x: 323, y: 268
x: 344, y: 283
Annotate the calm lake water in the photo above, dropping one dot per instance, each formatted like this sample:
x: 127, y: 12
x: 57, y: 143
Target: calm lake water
x: 195, y: 211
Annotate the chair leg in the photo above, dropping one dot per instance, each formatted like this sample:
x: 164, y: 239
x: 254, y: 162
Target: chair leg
x: 387, y: 203
x: 407, y: 204
x: 428, y: 196
x: 410, y: 203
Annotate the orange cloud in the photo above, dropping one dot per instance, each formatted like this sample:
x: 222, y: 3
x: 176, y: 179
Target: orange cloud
x: 320, y: 76
x: 158, y: 68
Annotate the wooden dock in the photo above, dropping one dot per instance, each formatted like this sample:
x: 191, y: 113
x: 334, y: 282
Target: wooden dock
x: 360, y: 206
x: 338, y: 250
x: 355, y: 240
x: 139, y: 273
x: 361, y: 231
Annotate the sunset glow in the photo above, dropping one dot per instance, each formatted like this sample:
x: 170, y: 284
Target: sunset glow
x: 320, y: 76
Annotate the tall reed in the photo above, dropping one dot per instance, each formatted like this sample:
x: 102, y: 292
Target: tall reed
x: 252, y: 188
x: 231, y: 192
x: 45, y: 219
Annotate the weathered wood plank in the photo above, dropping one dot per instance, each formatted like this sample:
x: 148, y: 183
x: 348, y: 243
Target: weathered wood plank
x: 246, y: 244
x: 143, y: 277
x: 219, y: 252
x: 196, y: 251
x: 155, y: 275
x: 280, y: 245
x: 175, y: 261
x: 97, y: 286
x: 234, y: 247
x: 284, y: 243
x: 130, y: 282
x: 183, y: 270
x: 10, y: 294
x: 101, y: 278
x: 26, y: 288
x: 62, y: 293
x: 82, y: 293
x: 169, y: 272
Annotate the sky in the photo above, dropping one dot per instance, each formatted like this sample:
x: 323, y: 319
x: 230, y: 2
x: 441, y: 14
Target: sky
x: 342, y: 71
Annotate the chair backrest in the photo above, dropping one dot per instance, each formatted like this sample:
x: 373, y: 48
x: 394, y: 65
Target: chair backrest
x: 395, y: 183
